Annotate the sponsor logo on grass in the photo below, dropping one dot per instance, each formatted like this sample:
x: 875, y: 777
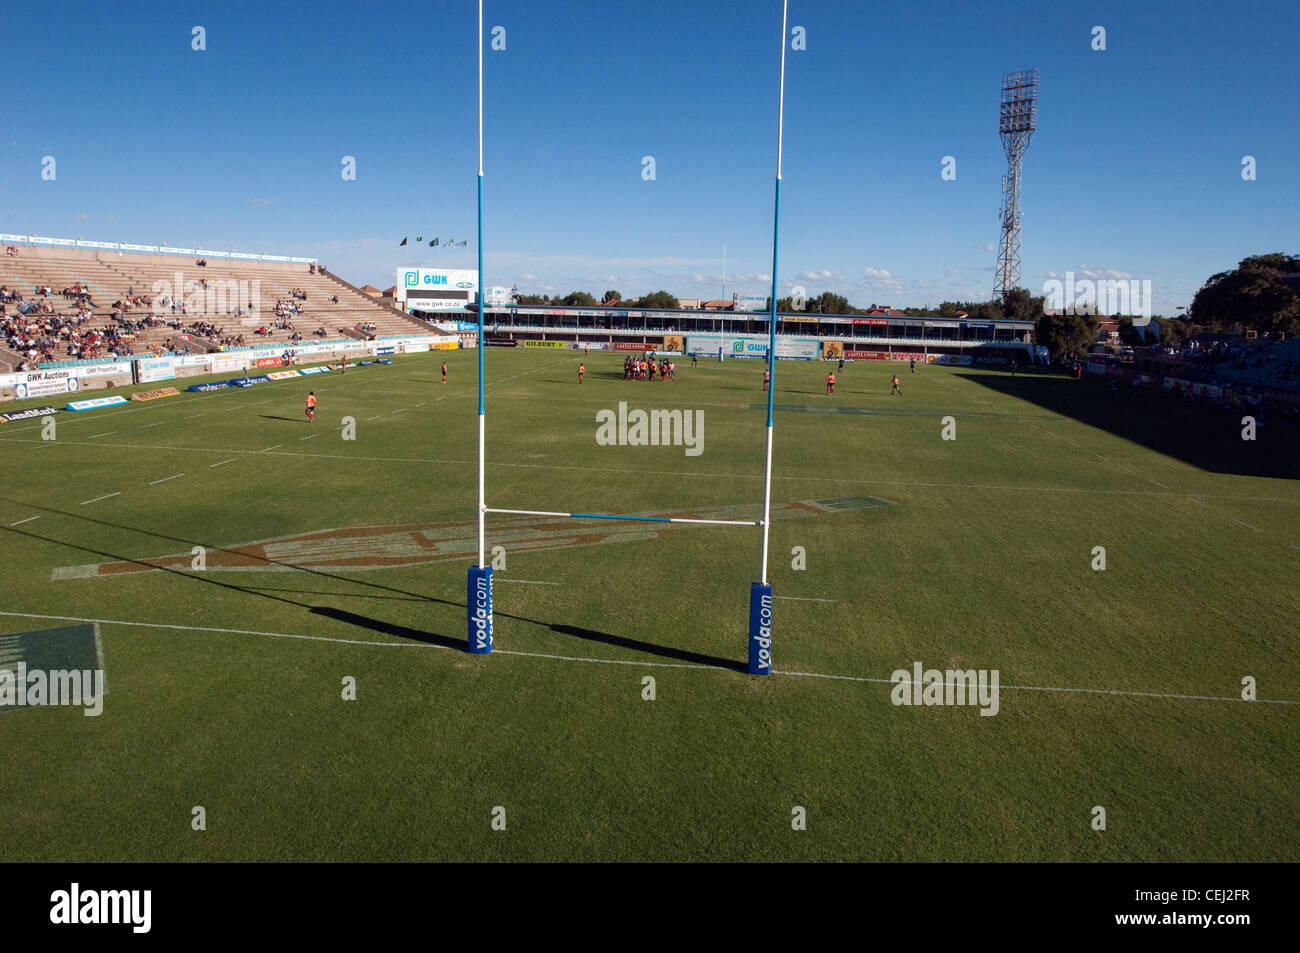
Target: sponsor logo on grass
x: 21, y: 687
x: 201, y: 388
x: 126, y: 907
x: 931, y: 687
x: 63, y: 666
x: 654, y: 428
x: 365, y: 548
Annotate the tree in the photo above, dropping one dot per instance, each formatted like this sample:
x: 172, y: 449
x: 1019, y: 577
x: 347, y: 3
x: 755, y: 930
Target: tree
x: 578, y: 299
x: 660, y: 300
x: 784, y: 304
x: 1253, y: 294
x: 1067, y: 335
x: 612, y: 297
x: 533, y: 299
x: 828, y: 303
x: 1020, y: 305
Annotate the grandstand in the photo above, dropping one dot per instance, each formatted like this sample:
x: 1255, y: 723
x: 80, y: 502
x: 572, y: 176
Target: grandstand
x: 252, y: 287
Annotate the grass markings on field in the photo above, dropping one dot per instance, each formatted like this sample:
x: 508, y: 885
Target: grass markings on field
x: 865, y: 679
x: 164, y: 479
x: 223, y: 463
x: 531, y: 582
x: 684, y: 473
x: 28, y: 520
x: 98, y: 498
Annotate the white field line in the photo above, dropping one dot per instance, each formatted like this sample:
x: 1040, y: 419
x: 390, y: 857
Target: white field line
x: 309, y: 436
x: 223, y: 463
x: 164, y: 479
x: 804, y: 599
x: 269, y: 449
x: 804, y: 478
x: 531, y: 582
x: 599, y: 661
x: 98, y: 498
x: 104, y: 434
x: 28, y: 520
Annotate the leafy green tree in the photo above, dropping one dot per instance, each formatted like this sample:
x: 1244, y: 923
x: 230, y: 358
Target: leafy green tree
x: 1253, y: 294
x: 660, y: 300
x: 828, y: 303
x: 1067, y: 335
x: 578, y: 299
x: 612, y: 297
x: 533, y: 299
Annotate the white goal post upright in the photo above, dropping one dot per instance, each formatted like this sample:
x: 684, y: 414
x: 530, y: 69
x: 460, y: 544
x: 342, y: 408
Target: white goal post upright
x: 760, y: 594
x: 479, y: 589
x: 478, y: 596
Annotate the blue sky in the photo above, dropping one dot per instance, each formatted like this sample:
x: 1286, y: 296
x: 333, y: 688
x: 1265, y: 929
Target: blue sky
x: 1135, y: 169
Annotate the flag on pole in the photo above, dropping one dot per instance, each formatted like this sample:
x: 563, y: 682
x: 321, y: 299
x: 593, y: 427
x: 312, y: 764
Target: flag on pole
x: 433, y: 243
x: 419, y: 238
x: 402, y: 242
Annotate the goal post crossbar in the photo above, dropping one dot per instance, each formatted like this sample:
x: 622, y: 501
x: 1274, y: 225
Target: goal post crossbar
x: 619, y: 516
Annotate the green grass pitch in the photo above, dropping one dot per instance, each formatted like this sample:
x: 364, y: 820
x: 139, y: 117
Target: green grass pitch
x: 968, y: 553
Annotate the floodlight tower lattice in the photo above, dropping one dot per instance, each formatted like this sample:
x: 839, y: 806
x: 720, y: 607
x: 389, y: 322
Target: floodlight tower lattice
x: 1017, y: 120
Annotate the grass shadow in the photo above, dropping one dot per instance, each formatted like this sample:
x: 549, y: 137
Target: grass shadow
x: 1205, y: 437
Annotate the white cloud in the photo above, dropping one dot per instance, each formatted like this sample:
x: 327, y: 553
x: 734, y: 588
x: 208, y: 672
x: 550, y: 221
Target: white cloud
x: 267, y: 201
x: 876, y: 273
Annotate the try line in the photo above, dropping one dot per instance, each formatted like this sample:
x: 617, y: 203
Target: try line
x: 604, y: 661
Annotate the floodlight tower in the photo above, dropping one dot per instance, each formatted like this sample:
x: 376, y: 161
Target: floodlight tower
x: 1017, y: 120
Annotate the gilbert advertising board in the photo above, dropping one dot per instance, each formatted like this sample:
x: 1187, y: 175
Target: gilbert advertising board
x: 558, y: 345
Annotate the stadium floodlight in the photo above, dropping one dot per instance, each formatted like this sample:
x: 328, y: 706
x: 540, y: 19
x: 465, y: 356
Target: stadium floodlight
x: 479, y: 583
x: 1017, y: 120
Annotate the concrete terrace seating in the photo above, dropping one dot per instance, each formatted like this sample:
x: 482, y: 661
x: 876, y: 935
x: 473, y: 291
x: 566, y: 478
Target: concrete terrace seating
x: 109, y: 275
